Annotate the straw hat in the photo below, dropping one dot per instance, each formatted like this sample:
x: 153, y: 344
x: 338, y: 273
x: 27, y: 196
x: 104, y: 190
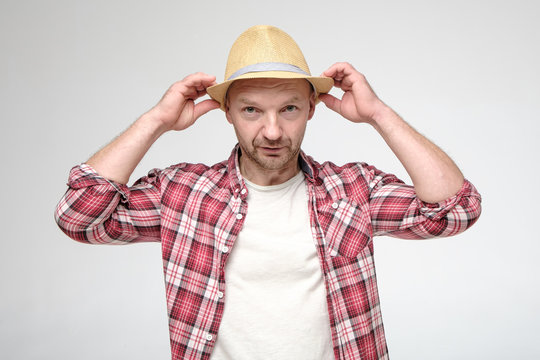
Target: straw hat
x: 264, y: 51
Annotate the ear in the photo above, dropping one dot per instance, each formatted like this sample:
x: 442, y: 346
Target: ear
x: 227, y: 114
x: 312, y: 98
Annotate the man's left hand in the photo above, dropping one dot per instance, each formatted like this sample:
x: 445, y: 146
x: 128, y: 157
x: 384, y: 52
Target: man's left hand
x: 434, y: 174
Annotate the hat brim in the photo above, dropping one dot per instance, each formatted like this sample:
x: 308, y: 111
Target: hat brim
x: 218, y: 92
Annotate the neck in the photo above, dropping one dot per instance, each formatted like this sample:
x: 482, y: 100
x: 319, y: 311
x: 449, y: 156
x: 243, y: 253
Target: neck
x: 266, y: 177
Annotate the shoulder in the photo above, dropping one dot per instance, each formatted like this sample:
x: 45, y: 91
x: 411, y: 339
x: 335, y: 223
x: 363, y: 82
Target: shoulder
x: 347, y: 180
x: 348, y: 172
x: 190, y: 174
x: 182, y: 170
x: 353, y: 179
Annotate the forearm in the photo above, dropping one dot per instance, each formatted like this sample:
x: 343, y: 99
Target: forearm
x: 175, y: 111
x: 434, y: 175
x: 118, y: 159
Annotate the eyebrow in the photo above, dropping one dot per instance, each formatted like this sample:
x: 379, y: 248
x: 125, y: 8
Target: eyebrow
x: 247, y: 101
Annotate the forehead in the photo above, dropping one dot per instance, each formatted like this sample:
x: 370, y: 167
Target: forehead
x: 254, y: 86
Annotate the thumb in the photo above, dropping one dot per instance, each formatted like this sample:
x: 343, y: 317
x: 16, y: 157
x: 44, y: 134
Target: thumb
x: 331, y: 102
x: 203, y: 107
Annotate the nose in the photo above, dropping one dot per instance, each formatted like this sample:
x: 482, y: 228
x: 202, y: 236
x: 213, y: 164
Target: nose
x: 272, y: 129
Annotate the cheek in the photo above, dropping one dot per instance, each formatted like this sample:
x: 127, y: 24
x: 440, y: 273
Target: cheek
x: 297, y: 127
x: 246, y: 131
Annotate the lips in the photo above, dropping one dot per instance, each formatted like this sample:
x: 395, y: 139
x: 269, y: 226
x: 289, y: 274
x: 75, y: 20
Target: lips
x: 271, y: 149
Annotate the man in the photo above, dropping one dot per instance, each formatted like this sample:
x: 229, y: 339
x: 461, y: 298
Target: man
x: 269, y: 254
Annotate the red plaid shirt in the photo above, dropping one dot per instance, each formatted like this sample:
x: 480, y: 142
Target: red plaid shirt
x: 197, y: 211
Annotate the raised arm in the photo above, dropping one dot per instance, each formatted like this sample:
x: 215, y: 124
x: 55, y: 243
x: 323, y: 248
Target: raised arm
x: 98, y: 207
x: 434, y: 174
x: 175, y: 111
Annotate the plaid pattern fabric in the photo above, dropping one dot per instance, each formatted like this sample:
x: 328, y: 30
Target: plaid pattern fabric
x: 197, y: 211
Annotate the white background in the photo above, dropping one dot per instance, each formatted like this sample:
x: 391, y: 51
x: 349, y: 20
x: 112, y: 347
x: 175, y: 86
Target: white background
x: 74, y: 74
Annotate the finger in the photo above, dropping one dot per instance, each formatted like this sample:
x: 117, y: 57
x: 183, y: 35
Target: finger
x: 193, y: 92
x: 330, y: 72
x: 339, y: 69
x: 203, y: 107
x: 203, y: 84
x: 338, y: 84
x: 344, y: 75
x: 331, y: 102
x: 199, y: 81
x: 194, y: 86
x: 339, y: 72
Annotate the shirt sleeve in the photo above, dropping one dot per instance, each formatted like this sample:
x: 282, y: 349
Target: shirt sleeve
x: 396, y: 210
x: 98, y: 211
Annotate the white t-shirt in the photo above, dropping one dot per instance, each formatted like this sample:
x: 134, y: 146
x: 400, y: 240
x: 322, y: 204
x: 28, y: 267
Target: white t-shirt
x: 275, y: 298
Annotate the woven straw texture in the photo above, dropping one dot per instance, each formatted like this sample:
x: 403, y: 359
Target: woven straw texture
x: 265, y: 44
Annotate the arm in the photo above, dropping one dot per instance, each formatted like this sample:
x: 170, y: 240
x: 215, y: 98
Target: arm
x: 395, y: 209
x: 98, y: 207
x: 434, y: 174
x: 175, y: 111
x: 95, y: 210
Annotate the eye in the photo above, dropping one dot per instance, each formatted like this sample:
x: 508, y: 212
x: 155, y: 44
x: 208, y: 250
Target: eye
x: 290, y: 108
x: 249, y: 109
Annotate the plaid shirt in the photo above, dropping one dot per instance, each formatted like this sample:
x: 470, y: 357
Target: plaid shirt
x: 197, y: 211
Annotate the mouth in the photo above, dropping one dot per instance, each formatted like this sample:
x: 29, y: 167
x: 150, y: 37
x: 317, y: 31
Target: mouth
x: 272, y: 150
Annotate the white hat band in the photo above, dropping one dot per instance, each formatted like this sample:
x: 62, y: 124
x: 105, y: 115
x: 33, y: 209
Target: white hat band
x: 267, y: 66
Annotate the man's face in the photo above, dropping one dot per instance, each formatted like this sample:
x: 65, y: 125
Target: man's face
x: 270, y: 117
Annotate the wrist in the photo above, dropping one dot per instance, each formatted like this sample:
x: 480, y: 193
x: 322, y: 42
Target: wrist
x: 152, y: 125
x: 381, y: 118
x: 382, y: 114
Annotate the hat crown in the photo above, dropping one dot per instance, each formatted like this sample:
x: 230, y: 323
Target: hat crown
x: 264, y: 51
x: 264, y: 44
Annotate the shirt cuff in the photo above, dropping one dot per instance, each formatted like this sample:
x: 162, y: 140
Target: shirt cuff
x: 83, y: 176
x: 436, y: 211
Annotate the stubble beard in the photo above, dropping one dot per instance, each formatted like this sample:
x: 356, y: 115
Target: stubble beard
x: 272, y: 162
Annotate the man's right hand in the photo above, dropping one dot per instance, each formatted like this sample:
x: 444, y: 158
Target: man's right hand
x: 177, y: 109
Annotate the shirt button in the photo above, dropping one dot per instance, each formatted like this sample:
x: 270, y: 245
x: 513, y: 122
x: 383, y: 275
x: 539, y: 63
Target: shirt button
x: 209, y: 337
x: 243, y: 191
x: 335, y: 205
x: 333, y: 253
x: 220, y: 294
x: 225, y: 249
x: 239, y: 216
